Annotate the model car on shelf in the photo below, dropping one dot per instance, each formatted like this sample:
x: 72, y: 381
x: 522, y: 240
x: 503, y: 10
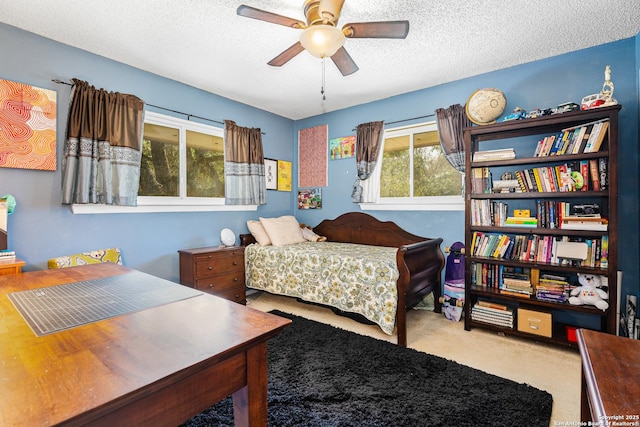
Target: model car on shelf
x: 566, y: 107
x: 537, y: 112
x: 593, y: 101
x: 518, y: 114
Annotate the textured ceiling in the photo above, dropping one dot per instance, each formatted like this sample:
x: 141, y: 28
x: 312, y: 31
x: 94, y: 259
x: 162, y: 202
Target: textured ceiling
x: 204, y: 43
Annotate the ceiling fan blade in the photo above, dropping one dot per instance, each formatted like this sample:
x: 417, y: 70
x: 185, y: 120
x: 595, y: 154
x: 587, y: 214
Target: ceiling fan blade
x: 262, y: 15
x: 378, y: 30
x: 287, y: 55
x: 344, y: 62
x: 330, y: 9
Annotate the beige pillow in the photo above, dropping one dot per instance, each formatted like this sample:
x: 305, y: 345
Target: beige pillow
x: 284, y: 230
x: 257, y: 231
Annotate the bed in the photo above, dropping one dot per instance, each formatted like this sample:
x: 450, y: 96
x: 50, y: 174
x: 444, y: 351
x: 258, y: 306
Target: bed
x: 369, y: 267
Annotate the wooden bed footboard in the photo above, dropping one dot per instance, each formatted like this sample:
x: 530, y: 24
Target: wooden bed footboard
x: 420, y: 260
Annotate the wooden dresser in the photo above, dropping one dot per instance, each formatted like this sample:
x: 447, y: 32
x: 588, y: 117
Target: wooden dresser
x: 11, y: 265
x: 216, y: 270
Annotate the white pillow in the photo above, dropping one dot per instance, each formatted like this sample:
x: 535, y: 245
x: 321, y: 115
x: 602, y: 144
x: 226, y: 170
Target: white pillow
x: 257, y: 231
x: 284, y: 230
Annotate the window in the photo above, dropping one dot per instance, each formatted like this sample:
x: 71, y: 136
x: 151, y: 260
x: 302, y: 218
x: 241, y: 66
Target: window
x: 181, y: 159
x: 182, y: 169
x: 414, y: 173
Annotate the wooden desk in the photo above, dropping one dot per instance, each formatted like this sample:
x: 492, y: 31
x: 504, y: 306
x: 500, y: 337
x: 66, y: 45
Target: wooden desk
x: 155, y: 367
x: 11, y: 266
x: 610, y: 378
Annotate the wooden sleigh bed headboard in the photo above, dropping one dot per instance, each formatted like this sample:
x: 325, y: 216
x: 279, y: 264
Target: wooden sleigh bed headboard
x: 419, y: 259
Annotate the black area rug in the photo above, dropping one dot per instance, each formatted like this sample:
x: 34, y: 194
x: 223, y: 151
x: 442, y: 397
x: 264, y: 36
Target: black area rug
x: 324, y: 376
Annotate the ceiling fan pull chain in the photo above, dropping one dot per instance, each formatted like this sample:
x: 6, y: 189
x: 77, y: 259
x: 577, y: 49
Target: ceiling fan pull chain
x: 324, y: 98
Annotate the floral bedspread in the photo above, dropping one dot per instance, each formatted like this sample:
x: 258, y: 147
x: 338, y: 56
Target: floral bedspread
x: 354, y: 278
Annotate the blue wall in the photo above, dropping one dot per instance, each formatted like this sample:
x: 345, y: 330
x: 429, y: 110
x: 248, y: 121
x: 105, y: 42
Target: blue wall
x: 41, y: 228
x: 543, y: 84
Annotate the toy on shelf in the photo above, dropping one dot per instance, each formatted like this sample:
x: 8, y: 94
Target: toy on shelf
x: 518, y: 114
x: 590, y: 292
x: 604, y: 98
x: 566, y: 107
x: 537, y: 112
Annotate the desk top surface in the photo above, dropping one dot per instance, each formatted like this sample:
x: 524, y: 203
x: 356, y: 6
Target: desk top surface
x: 49, y: 379
x: 611, y: 366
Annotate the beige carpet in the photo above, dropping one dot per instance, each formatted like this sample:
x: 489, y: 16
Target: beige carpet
x: 551, y: 368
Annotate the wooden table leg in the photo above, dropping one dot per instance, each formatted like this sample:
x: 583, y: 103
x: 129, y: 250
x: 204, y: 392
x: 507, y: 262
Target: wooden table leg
x: 585, y: 411
x: 250, y: 402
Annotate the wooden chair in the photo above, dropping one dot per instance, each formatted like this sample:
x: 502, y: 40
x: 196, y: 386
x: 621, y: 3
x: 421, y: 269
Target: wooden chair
x: 92, y: 257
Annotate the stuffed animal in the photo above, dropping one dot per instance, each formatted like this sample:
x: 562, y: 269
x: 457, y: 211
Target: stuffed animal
x: 309, y: 235
x: 589, y: 292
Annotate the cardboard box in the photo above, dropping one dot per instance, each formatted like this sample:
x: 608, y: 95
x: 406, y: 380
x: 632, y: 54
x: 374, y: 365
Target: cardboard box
x: 534, y: 322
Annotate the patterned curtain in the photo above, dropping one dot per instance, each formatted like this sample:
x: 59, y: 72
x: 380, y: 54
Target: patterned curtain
x: 101, y: 162
x: 244, y: 179
x: 368, y: 140
x: 451, y: 122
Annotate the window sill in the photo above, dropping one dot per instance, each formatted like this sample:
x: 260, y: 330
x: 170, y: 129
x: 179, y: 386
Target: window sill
x: 109, y: 209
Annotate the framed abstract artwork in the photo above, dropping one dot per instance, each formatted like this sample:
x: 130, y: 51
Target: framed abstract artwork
x: 27, y: 126
x: 271, y: 173
x: 343, y: 147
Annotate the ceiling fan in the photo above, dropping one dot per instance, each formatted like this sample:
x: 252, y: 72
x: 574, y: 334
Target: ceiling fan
x: 320, y: 36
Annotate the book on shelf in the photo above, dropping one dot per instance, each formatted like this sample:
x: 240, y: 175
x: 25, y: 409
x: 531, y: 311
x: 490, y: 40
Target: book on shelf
x: 515, y: 293
x: 595, y: 141
x: 575, y: 222
x: 525, y: 222
x: 603, y: 174
x: 481, y: 180
x: 604, y: 252
x: 492, y: 305
x: 579, y: 145
x: 5, y: 254
x: 498, y: 154
x: 495, y: 316
x: 584, y: 171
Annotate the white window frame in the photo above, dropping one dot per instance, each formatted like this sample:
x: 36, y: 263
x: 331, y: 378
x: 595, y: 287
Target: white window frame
x: 182, y: 203
x: 431, y: 203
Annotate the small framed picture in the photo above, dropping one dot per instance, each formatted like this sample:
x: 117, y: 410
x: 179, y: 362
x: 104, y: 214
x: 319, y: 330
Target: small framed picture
x: 271, y: 173
x: 284, y: 175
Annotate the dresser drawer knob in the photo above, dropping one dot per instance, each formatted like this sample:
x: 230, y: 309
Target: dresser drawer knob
x: 235, y: 262
x: 210, y: 268
x: 211, y: 285
x: 235, y: 279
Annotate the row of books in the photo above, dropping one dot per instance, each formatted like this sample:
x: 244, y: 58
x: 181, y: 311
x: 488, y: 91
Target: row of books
x: 523, y: 282
x: 587, y: 138
x: 583, y: 175
x: 553, y: 288
x: 493, y: 313
x: 6, y: 254
x: 481, y: 181
x: 514, y: 281
x: 549, y: 214
x: 557, y: 214
x: 536, y: 248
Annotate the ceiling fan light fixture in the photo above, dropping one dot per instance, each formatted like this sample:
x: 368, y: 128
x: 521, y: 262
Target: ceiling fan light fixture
x: 322, y: 41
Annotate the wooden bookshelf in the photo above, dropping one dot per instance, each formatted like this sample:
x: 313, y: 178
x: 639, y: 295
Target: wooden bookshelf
x: 523, y: 136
